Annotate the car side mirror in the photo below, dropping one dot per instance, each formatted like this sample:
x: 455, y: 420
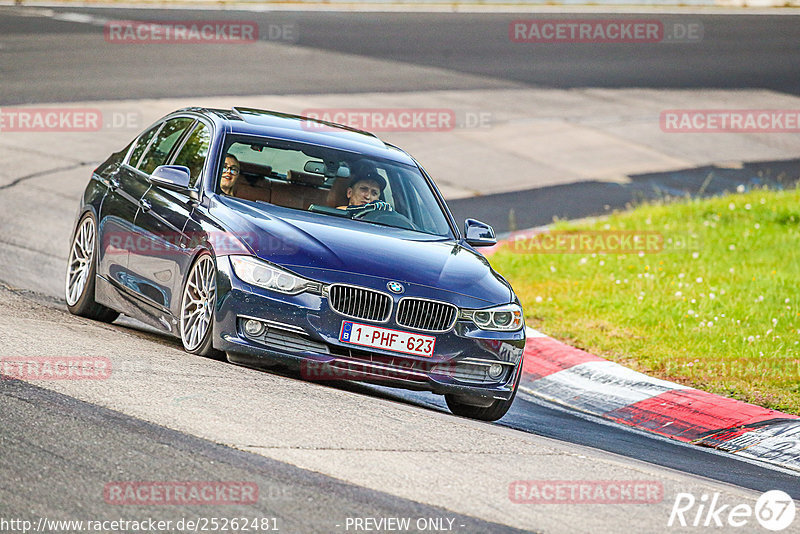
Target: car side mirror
x: 174, y: 177
x: 479, y: 234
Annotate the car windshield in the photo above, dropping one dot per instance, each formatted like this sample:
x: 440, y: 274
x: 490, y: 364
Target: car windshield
x: 332, y: 182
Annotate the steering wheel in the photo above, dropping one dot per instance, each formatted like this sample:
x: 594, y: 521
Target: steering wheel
x: 390, y: 218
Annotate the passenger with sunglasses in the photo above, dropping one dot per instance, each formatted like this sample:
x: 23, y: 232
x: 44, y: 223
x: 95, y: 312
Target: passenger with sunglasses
x: 230, y: 175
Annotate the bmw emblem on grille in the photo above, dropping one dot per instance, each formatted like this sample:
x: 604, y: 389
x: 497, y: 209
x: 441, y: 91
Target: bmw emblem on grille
x: 395, y: 287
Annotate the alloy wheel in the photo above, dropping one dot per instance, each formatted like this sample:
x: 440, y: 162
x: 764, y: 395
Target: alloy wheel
x: 80, y: 261
x: 197, y: 305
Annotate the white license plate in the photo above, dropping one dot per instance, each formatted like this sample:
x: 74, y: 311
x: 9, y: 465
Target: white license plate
x: 385, y: 338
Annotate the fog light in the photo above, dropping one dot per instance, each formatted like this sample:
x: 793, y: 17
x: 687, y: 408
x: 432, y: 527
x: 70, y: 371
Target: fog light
x: 253, y: 328
x: 495, y: 370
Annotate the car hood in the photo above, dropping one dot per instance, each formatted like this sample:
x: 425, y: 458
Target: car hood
x: 332, y: 249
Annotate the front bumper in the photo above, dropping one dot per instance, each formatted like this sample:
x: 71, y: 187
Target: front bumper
x: 302, y: 332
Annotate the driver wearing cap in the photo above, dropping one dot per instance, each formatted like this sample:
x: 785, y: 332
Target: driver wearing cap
x: 364, y: 192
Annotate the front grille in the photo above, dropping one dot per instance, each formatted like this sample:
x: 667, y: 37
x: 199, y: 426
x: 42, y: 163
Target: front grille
x: 360, y: 303
x: 281, y: 339
x: 428, y: 315
x: 287, y: 341
x: 378, y: 366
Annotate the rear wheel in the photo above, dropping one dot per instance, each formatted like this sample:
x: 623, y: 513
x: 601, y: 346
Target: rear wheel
x: 492, y: 412
x: 81, y: 272
x: 197, y: 307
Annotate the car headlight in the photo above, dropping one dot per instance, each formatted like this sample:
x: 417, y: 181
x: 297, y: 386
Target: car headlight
x: 262, y: 274
x: 506, y: 318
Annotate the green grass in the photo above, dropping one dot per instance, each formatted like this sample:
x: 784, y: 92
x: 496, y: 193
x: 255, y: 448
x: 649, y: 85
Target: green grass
x: 721, y: 314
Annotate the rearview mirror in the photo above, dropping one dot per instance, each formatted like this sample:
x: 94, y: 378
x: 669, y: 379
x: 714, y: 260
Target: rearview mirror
x: 479, y: 234
x: 175, y: 177
x: 316, y: 167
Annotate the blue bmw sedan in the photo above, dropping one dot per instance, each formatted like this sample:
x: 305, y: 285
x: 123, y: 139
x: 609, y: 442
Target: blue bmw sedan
x: 276, y: 239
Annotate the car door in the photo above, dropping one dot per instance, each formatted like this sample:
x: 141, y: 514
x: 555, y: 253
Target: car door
x: 117, y: 212
x: 193, y: 155
x: 164, y: 258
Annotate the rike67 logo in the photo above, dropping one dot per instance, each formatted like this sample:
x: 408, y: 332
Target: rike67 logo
x: 774, y: 510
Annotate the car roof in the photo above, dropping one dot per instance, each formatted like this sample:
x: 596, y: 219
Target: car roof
x: 258, y: 122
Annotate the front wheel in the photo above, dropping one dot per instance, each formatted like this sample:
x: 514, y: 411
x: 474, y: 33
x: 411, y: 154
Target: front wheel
x: 81, y: 272
x: 492, y: 412
x: 197, y: 307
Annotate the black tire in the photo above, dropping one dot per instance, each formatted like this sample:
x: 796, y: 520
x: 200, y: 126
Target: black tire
x: 493, y: 412
x: 191, y: 344
x: 80, y: 294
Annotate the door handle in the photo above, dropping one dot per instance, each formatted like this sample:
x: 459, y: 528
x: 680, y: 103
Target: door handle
x: 113, y: 184
x: 145, y: 205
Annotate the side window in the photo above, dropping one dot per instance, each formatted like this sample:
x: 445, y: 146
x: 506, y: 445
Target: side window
x: 194, y: 151
x: 141, y: 144
x: 157, y: 153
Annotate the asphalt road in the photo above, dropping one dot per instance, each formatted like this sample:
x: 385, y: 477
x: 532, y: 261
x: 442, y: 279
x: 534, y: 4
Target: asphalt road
x: 543, y: 419
x: 59, y: 454
x: 50, y: 60
x: 539, y: 206
x: 166, y: 416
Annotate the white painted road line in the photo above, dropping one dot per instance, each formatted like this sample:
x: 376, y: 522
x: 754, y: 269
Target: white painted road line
x: 600, y: 386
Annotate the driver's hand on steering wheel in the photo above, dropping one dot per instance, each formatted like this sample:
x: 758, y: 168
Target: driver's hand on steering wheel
x: 375, y: 205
